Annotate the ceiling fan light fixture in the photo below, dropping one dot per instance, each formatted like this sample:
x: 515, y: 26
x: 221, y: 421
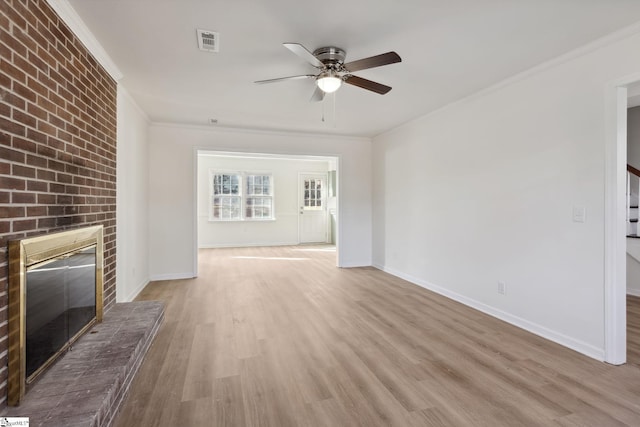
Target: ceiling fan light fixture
x: 329, y: 61
x: 329, y: 82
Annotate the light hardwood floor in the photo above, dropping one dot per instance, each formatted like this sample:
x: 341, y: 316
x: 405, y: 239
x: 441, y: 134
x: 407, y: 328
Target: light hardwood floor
x: 633, y: 330
x: 280, y: 337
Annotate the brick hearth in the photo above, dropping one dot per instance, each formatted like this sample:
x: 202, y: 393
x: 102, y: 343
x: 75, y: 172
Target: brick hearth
x: 87, y: 385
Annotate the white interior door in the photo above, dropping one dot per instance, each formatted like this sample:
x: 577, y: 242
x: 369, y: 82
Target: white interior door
x: 312, y: 215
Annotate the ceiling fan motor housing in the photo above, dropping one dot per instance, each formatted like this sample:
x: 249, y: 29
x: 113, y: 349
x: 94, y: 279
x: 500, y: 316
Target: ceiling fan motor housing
x: 332, y: 57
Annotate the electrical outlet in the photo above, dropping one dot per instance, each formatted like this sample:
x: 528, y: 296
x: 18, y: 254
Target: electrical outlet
x: 502, y: 288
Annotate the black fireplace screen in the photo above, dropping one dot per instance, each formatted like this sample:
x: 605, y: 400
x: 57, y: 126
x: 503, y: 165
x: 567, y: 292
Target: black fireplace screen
x: 61, y: 301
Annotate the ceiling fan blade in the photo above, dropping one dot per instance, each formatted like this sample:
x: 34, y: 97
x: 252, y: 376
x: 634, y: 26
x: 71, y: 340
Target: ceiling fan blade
x: 303, y: 76
x: 318, y: 95
x: 366, y: 84
x: 303, y: 53
x: 373, y: 61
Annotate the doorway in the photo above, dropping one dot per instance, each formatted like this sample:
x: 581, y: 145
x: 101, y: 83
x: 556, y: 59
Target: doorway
x: 279, y: 196
x: 615, y: 284
x: 312, y: 213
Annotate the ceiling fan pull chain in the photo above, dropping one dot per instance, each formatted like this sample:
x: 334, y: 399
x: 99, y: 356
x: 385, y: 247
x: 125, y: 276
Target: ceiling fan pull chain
x: 322, y: 102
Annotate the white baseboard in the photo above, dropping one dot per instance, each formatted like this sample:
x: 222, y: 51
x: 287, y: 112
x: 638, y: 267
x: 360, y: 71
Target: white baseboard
x: 171, y: 276
x: 245, y: 245
x: 564, y: 340
x: 355, y: 264
x: 633, y: 292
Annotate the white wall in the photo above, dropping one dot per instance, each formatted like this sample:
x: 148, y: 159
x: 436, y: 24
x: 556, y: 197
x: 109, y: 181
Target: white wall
x: 281, y: 231
x: 633, y: 267
x: 633, y: 137
x: 132, y: 265
x: 483, y: 191
x: 172, y: 214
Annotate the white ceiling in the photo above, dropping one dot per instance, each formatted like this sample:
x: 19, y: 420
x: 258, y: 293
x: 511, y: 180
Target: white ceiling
x: 450, y: 49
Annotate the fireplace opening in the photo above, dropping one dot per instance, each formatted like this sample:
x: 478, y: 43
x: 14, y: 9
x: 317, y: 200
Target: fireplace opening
x: 55, y: 295
x: 61, y: 303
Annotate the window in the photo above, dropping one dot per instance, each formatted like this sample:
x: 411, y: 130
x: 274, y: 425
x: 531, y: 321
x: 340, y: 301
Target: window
x: 313, y: 194
x: 231, y: 203
x: 259, y: 197
x: 227, y: 197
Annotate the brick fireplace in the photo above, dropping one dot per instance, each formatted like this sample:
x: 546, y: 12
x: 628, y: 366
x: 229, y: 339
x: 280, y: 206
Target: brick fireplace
x: 57, y: 140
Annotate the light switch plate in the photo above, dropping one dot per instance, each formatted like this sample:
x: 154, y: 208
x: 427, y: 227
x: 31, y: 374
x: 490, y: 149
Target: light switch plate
x: 579, y: 214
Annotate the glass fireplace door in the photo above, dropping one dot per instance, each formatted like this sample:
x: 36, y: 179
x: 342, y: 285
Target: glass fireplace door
x: 60, y: 302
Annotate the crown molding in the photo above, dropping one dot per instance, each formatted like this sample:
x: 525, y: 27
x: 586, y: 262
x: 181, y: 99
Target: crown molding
x: 260, y: 131
x: 586, y: 49
x: 124, y: 93
x: 67, y: 13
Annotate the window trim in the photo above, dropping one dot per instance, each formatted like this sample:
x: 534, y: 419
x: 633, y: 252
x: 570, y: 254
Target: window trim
x: 242, y: 194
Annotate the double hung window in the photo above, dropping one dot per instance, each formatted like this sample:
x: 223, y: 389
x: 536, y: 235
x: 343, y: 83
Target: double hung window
x: 259, y: 197
x: 238, y: 196
x: 227, y: 197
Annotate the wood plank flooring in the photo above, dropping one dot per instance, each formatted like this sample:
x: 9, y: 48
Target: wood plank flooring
x: 633, y: 330
x: 280, y: 337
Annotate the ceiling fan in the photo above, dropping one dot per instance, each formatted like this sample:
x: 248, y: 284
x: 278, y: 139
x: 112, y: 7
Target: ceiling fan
x: 333, y: 70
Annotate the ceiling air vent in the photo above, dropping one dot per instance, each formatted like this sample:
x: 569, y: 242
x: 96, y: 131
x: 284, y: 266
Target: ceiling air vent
x: 209, y: 41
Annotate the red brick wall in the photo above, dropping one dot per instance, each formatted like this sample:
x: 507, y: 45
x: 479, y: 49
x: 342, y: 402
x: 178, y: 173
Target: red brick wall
x: 57, y: 140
